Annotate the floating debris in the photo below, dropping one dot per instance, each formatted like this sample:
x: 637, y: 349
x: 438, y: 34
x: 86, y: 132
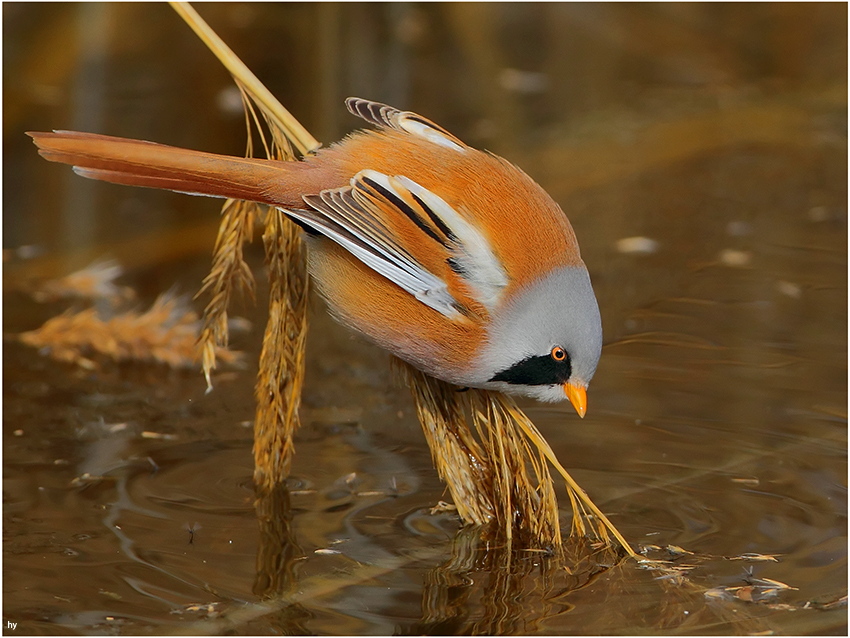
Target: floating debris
x: 755, y: 557
x: 112, y: 595
x: 775, y: 583
x: 85, y: 478
x: 746, y: 481
x: 789, y: 289
x: 116, y: 427
x: 836, y: 603
x: 441, y: 507
x: 158, y: 435
x: 210, y: 609
x: 637, y: 246
x: 734, y: 258
x: 519, y: 81
x: 717, y: 593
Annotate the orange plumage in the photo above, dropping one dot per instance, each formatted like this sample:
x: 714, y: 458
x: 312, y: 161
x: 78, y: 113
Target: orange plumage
x: 424, y: 244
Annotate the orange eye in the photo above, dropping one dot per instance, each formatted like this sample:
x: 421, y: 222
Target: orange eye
x: 558, y: 353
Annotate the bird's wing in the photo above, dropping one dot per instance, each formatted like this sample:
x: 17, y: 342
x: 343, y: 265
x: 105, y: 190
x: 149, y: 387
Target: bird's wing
x: 405, y: 121
x: 413, y: 238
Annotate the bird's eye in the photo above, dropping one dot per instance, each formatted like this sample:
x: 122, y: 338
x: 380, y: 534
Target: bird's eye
x: 558, y: 354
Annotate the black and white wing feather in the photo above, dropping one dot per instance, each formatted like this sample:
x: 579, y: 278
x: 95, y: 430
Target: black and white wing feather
x: 359, y: 218
x: 406, y: 121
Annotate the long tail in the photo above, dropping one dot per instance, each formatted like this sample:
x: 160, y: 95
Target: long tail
x: 138, y: 163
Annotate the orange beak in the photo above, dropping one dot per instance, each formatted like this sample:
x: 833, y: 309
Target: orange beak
x: 578, y: 397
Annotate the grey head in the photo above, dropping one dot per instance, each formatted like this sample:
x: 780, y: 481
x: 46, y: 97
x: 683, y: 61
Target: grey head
x: 546, y: 342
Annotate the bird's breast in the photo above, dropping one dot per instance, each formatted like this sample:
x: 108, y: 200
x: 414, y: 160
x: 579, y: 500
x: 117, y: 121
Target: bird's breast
x: 391, y: 317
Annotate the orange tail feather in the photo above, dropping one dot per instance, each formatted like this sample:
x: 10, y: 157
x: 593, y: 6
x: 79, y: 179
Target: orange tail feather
x: 138, y: 163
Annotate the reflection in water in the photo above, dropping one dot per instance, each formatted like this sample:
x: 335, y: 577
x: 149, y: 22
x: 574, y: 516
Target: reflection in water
x: 277, y: 548
x: 485, y: 590
x: 277, y: 552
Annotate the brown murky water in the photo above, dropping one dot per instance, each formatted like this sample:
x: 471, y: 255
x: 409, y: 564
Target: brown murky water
x: 701, y: 154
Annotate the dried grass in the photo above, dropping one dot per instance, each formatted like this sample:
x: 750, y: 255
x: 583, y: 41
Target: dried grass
x: 167, y: 333
x: 496, y: 465
x: 281, y: 371
x: 95, y: 281
x: 228, y: 274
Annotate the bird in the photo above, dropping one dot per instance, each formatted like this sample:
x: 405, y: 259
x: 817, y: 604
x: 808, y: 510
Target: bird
x: 450, y: 258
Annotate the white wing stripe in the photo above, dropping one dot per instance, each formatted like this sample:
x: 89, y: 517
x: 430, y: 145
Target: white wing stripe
x: 474, y: 255
x: 416, y: 127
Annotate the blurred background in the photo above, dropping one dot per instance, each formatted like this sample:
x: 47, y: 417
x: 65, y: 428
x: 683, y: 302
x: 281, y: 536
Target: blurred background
x: 700, y: 152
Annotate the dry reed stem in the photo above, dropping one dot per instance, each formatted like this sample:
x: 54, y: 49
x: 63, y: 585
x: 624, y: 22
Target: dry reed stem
x: 460, y: 461
x: 268, y: 103
x: 228, y: 273
x: 524, y: 488
x: 281, y: 371
x: 578, y: 497
x: 502, y: 475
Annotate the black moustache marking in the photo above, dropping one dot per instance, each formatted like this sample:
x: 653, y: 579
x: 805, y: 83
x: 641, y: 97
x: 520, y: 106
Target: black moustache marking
x: 540, y: 370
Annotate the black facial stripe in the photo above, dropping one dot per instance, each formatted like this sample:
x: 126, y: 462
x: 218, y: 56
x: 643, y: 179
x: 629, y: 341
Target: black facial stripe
x: 403, y: 207
x: 541, y: 370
